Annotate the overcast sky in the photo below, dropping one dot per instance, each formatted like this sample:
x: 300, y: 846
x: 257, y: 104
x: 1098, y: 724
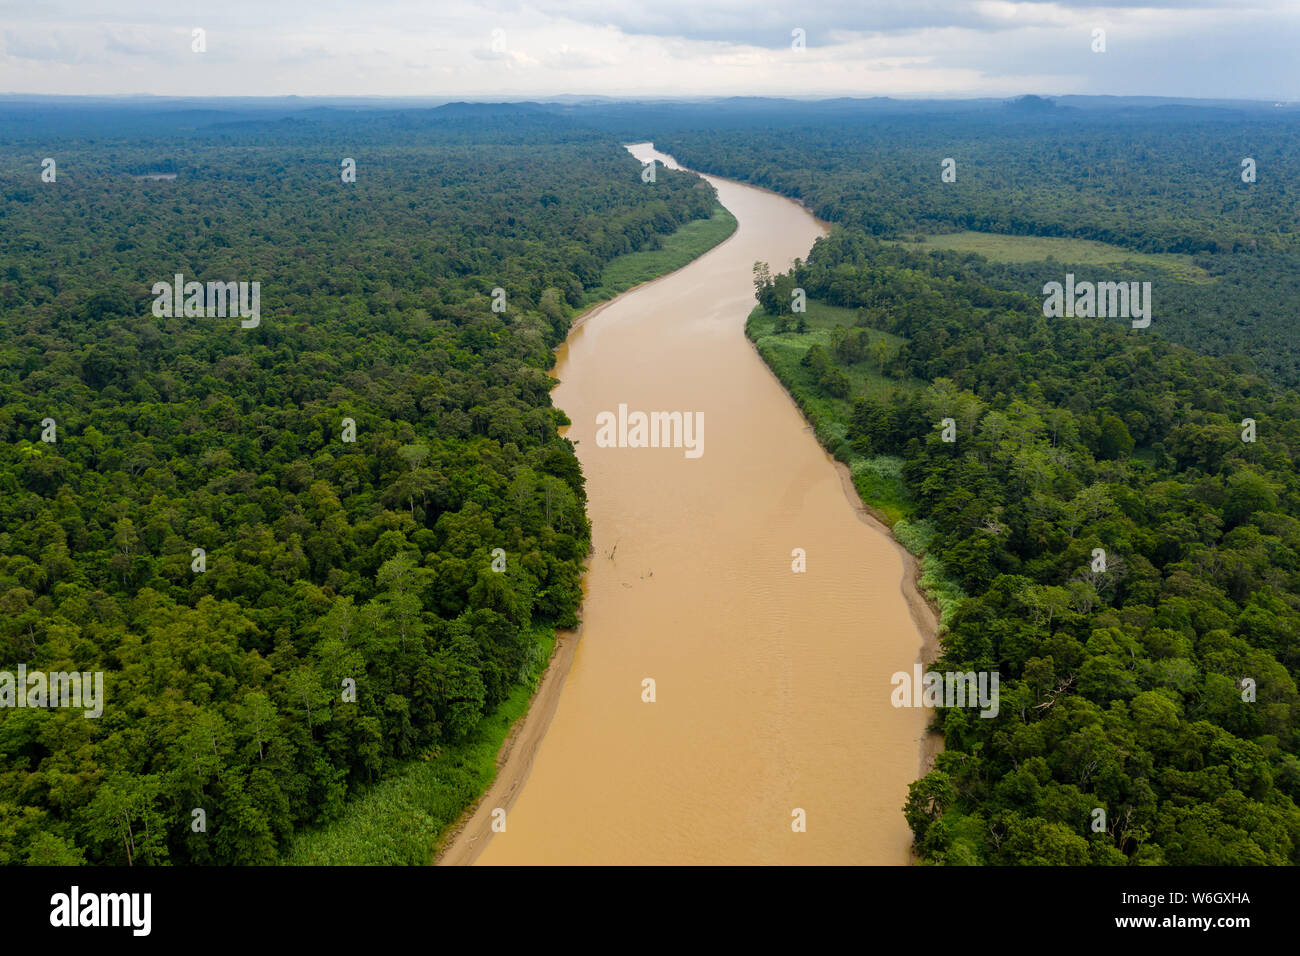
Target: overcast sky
x: 1241, y: 49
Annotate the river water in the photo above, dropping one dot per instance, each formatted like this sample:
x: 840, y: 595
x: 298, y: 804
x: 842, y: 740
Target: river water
x: 772, y: 688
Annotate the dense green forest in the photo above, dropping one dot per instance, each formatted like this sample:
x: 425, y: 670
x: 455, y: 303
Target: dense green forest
x: 1160, y: 690
x: 1165, y: 180
x: 325, y: 560
x: 1122, y: 689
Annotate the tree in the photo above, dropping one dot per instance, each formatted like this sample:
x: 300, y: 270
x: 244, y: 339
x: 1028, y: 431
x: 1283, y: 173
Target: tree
x: 123, y: 815
x: 1115, y: 440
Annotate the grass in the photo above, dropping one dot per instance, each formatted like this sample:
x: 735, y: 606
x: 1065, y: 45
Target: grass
x: 877, y: 478
x: 784, y: 351
x: 685, y: 245
x: 879, y: 482
x: 1085, y: 252
x: 915, y: 536
x: 399, y: 821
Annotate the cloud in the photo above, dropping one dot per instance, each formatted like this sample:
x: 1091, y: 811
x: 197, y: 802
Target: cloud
x: 1228, y: 48
x: 769, y: 24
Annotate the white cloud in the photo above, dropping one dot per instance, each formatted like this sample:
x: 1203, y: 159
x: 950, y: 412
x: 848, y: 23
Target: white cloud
x: 1228, y: 48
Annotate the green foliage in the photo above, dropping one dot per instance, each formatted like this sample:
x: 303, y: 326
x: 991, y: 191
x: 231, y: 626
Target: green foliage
x: 676, y: 250
x: 327, y: 562
x: 1082, y: 252
x: 1120, y: 690
x: 399, y: 820
x: 1118, y: 194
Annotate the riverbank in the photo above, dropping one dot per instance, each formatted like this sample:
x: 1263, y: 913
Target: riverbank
x: 675, y: 251
x: 924, y: 607
x: 432, y: 800
x: 397, y: 821
x: 877, y: 493
x: 461, y: 843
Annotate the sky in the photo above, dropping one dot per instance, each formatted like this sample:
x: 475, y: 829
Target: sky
x: 1232, y: 49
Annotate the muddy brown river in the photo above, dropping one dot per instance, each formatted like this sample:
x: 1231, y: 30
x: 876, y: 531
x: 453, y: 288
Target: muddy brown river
x: 771, y: 688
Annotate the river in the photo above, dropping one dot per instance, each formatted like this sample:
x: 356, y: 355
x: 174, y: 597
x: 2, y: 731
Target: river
x: 772, y: 688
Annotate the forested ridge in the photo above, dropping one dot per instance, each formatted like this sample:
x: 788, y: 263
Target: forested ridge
x: 326, y: 560
x: 1160, y: 691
